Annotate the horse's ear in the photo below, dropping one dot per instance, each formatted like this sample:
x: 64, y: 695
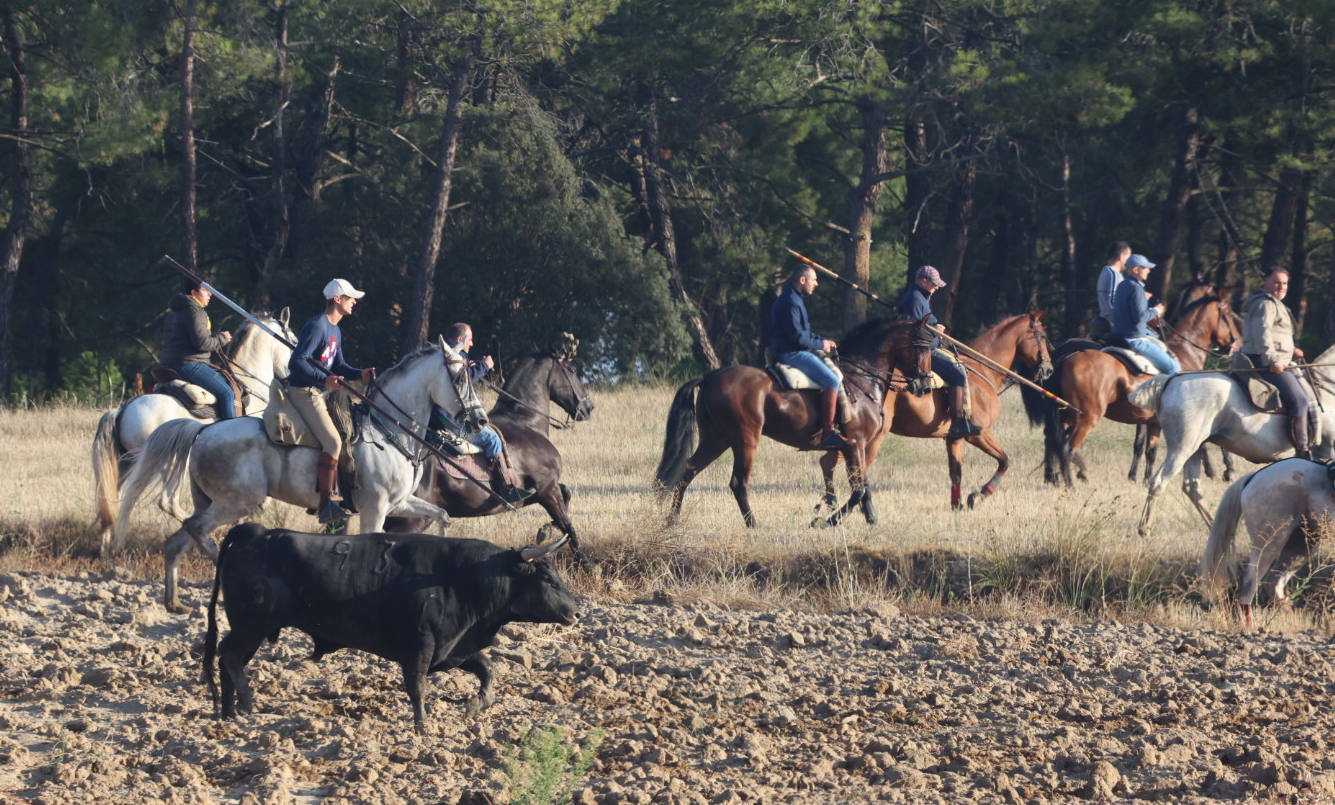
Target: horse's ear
x: 1036, y: 315
x: 284, y: 315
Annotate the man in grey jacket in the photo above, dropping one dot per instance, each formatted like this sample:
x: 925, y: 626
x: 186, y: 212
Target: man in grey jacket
x: 187, y: 341
x: 1267, y: 340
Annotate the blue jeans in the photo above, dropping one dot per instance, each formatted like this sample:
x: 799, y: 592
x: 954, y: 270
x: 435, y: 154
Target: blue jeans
x: 1291, y: 394
x: 813, y: 367
x: 948, y: 370
x: 1150, y: 350
x: 488, y: 440
x: 204, y: 376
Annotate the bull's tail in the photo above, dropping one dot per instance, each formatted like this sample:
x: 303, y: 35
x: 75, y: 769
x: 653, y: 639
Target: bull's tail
x: 106, y: 471
x: 679, y: 442
x: 1223, y: 533
x: 163, y: 461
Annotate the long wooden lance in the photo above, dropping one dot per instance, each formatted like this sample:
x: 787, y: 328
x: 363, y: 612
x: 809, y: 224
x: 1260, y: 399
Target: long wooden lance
x: 431, y: 448
x: 980, y: 357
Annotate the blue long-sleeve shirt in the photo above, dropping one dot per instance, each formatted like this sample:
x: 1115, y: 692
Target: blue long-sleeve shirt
x: 789, y: 326
x: 322, y: 340
x: 917, y: 303
x: 1131, y: 310
x: 1109, y: 279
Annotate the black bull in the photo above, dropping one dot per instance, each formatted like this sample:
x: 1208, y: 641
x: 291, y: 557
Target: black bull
x: 427, y: 603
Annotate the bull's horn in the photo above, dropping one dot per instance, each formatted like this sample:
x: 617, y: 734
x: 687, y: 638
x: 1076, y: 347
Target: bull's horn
x: 532, y: 553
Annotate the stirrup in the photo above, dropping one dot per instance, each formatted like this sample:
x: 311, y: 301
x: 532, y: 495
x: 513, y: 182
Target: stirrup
x: 515, y: 495
x: 963, y: 427
x: 330, y: 511
x: 833, y: 440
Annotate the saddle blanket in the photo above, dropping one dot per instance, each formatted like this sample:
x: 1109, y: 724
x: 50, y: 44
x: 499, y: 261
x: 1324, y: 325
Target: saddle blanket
x: 1133, y: 360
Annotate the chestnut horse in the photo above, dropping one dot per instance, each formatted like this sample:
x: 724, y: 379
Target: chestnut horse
x: 1018, y: 342
x: 737, y: 405
x: 1097, y: 383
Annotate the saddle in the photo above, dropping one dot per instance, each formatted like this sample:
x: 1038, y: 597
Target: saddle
x: 790, y: 378
x: 284, y: 425
x: 1133, y: 361
x: 1262, y: 393
x: 198, y: 400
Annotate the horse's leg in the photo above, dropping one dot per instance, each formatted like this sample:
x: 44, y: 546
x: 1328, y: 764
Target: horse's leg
x: 553, y: 500
x: 1138, y: 448
x: 1080, y: 430
x: 828, y: 462
x: 195, y: 529
x: 955, y: 464
x: 1254, y: 571
x: 373, y: 515
x: 987, y: 442
x: 1173, y: 464
x: 857, y: 483
x: 743, y: 459
x: 1152, y: 436
x: 1229, y: 473
x: 1191, y: 484
x: 705, y: 454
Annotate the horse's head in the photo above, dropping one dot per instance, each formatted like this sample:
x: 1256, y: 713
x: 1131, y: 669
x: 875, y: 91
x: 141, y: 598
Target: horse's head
x: 565, y: 389
x: 1209, y: 323
x: 1033, y: 349
x: 452, y: 389
x: 1226, y: 333
x: 258, y: 352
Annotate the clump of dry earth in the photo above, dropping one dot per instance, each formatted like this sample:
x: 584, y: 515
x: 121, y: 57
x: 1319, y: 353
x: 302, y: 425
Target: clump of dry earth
x: 100, y: 700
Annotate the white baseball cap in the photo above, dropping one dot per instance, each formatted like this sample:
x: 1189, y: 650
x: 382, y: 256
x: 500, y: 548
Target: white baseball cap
x: 342, y: 288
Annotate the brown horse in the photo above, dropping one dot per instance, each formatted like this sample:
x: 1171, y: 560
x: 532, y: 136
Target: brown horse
x: 1097, y: 383
x: 737, y: 405
x: 1018, y: 342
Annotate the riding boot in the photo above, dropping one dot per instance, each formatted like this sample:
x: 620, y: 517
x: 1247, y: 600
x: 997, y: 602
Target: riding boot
x: 830, y: 438
x: 842, y: 411
x: 1298, y: 435
x: 501, y: 484
x: 326, y: 474
x: 960, y: 424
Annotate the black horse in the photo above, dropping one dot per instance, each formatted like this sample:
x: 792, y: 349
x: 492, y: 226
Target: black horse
x: 522, y: 417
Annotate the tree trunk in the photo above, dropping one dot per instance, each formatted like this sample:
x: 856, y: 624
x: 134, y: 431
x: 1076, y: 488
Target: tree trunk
x: 1297, y: 295
x: 188, y: 166
x: 661, y: 213
x: 1172, y: 215
x: 862, y: 211
x: 1226, y: 273
x: 20, y: 193
x: 404, y: 61
x: 917, y: 192
x: 418, y: 321
x: 1330, y: 302
x: 309, y: 150
x: 1075, y: 311
x: 992, y: 284
x: 279, y: 211
x: 959, y: 220
x: 1279, y: 232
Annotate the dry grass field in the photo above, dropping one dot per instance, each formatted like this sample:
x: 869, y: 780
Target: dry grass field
x: 1030, y: 551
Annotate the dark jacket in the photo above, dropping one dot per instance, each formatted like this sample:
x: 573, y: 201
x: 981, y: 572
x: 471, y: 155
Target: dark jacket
x: 916, y: 304
x: 789, y: 326
x: 186, y: 336
x: 1131, y: 310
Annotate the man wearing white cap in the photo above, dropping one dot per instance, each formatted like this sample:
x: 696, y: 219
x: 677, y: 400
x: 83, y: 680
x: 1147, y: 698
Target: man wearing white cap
x: 322, y: 341
x: 1132, y: 314
x: 916, y: 304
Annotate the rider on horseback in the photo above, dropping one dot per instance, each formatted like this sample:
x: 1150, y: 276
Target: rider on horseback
x: 1109, y: 278
x: 187, y: 341
x: 1132, y: 314
x: 792, y: 342
x: 503, y: 478
x: 1267, y: 340
x: 322, y: 341
x: 916, y: 305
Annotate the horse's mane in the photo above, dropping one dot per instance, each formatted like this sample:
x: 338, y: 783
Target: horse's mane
x: 412, y: 356
x: 866, y: 339
x: 248, y: 329
x: 1208, y: 299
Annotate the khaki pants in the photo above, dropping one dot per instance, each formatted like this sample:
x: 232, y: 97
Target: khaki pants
x: 310, y: 403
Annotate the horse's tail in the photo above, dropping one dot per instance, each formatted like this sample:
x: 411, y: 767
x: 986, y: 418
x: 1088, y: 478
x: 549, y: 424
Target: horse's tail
x: 1223, y: 533
x: 164, y: 461
x: 1148, y: 394
x: 106, y: 470
x: 679, y: 442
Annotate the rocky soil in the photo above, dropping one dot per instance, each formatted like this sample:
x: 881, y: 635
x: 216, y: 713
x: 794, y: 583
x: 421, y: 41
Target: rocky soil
x: 100, y: 700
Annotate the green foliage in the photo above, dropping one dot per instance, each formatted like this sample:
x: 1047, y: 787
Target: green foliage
x: 544, y: 769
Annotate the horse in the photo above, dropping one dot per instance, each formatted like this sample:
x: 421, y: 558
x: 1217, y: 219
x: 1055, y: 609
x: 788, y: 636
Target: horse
x: 1147, y: 435
x: 521, y: 414
x: 1286, y: 505
x: 255, y: 359
x: 733, y: 407
x: 1214, y: 407
x: 233, y: 467
x: 1097, y: 384
x: 1015, y: 342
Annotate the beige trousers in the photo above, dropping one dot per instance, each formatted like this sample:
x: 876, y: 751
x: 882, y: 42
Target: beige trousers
x: 310, y: 402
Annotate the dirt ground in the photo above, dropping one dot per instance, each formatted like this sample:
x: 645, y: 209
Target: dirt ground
x: 100, y: 700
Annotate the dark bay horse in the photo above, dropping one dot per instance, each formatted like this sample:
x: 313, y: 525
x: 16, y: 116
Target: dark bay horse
x: 521, y: 414
x: 733, y: 407
x: 1097, y: 383
x: 1019, y: 343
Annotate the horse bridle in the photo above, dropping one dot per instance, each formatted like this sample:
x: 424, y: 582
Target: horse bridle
x: 569, y: 376
x: 1224, y: 310
x: 237, y: 369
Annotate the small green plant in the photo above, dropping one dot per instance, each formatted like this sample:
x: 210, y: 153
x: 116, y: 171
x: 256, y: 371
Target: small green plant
x: 544, y: 768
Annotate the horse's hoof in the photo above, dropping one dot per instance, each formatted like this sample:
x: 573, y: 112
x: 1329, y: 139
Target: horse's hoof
x: 177, y: 608
x: 973, y: 499
x: 819, y: 522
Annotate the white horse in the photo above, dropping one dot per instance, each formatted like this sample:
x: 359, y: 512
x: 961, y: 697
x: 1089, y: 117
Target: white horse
x: 1286, y: 505
x: 233, y: 467
x: 256, y: 357
x: 1213, y: 407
